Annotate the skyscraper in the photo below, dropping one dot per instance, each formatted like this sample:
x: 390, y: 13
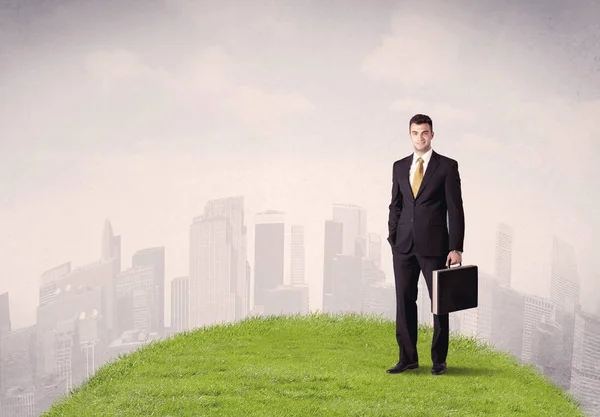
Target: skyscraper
x: 332, y: 247
x: 374, y: 249
x: 504, y: 246
x: 298, y: 257
x: 354, y: 219
x: 180, y: 302
x: 537, y: 309
x: 585, y: 382
x: 269, y: 238
x: 110, y: 259
x: 111, y: 246
x: 154, y: 258
x: 564, y: 281
x: 5, y: 326
x: 218, y: 270
x: 49, y: 281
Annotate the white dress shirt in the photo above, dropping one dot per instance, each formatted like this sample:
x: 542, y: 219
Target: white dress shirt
x: 413, y: 167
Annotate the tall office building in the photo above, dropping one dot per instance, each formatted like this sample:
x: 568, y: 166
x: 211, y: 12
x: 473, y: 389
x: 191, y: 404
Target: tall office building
x: 18, y: 361
x: 487, y: 287
x: 136, y: 302
x: 347, y: 284
x: 269, y: 238
x: 508, y: 317
x: 180, y: 303
x: 111, y: 260
x: 332, y: 248
x: 298, y: 256
x: 585, y: 379
x: 354, y: 220
x: 504, y: 247
x: 537, y: 309
x: 212, y: 300
x: 5, y: 326
x: 345, y: 235
x: 374, y: 249
x: 111, y: 246
x: 154, y: 258
x: 564, y: 281
x: 218, y: 264
x: 49, y: 281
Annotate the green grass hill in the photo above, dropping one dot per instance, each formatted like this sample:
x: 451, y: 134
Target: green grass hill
x: 314, y: 365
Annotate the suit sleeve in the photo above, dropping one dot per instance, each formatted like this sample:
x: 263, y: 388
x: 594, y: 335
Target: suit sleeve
x: 395, y: 207
x: 456, y: 214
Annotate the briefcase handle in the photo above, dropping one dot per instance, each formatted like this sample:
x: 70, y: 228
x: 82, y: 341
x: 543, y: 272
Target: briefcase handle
x: 450, y: 266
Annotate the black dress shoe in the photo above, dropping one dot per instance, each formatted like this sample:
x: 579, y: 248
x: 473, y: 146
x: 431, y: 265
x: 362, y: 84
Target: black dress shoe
x: 401, y: 367
x: 438, y: 369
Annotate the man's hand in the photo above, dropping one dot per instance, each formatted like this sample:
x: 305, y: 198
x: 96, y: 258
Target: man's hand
x: 453, y: 258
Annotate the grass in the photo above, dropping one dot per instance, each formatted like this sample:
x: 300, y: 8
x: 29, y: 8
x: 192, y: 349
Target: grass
x: 325, y: 365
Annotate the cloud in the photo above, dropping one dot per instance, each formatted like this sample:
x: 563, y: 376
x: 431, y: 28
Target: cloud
x: 443, y: 112
x: 421, y: 51
x: 211, y: 71
x: 120, y: 65
x: 488, y: 88
x: 208, y: 77
x: 264, y: 111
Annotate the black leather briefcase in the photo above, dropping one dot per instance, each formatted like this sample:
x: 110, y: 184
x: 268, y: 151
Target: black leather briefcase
x: 454, y: 288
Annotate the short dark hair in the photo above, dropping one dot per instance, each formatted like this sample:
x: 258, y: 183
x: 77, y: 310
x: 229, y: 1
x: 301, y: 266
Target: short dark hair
x: 419, y: 119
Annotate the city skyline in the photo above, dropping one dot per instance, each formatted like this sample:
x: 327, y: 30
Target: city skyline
x: 354, y: 265
x: 313, y: 282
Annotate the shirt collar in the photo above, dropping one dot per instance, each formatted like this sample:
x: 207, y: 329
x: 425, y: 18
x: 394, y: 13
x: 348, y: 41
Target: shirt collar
x: 426, y: 157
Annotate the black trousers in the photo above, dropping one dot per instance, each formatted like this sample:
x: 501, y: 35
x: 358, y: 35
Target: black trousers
x: 407, y: 268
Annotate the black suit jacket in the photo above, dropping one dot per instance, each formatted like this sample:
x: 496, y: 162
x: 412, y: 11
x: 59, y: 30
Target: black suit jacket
x: 433, y: 223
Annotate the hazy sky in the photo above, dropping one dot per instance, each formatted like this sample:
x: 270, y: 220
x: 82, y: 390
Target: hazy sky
x: 140, y: 112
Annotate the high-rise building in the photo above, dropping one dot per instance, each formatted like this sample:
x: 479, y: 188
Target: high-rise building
x: 180, y: 304
x: 374, y: 249
x: 537, y: 309
x: 585, y: 382
x: 487, y: 286
x: 154, y: 258
x: 504, y: 247
x: 49, y: 281
x: 212, y: 300
x: 5, y: 326
x: 347, y: 284
x: 354, y: 220
x: 136, y: 302
x: 332, y: 248
x: 110, y: 255
x: 508, y: 315
x: 297, y: 256
x: 111, y: 245
x: 269, y: 239
x: 218, y: 264
x: 564, y: 281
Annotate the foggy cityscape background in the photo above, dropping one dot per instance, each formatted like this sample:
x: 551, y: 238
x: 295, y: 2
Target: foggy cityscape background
x: 174, y: 164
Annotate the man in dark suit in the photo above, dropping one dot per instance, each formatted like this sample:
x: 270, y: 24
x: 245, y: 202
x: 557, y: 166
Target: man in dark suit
x: 426, y: 232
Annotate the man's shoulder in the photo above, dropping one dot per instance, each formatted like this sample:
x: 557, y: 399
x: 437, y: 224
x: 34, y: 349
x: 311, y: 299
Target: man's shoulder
x: 403, y: 160
x: 445, y: 159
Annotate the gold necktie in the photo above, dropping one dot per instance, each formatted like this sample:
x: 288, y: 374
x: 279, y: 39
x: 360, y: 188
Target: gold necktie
x: 418, y: 177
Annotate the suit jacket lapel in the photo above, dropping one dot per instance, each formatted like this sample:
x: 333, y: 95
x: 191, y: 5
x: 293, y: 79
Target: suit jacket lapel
x: 433, y: 163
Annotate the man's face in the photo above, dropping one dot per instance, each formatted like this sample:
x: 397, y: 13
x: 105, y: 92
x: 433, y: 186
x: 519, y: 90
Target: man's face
x: 421, y: 136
